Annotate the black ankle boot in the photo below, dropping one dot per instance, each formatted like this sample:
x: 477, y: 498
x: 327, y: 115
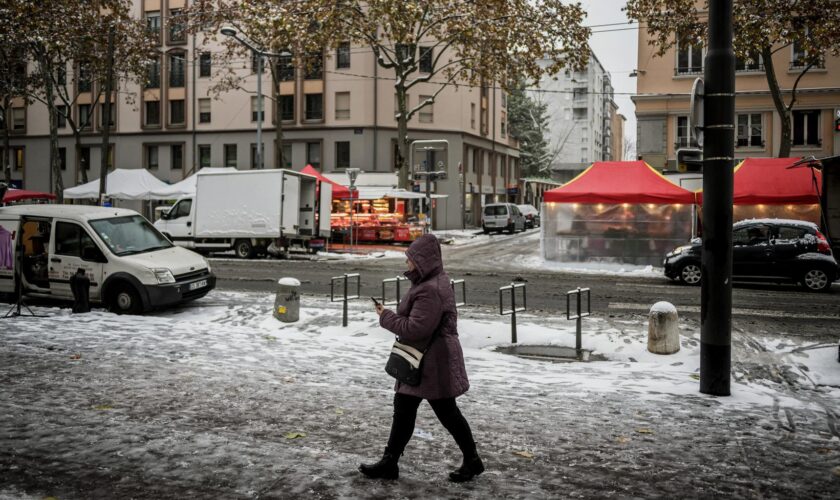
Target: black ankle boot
x: 386, y: 468
x: 469, y: 469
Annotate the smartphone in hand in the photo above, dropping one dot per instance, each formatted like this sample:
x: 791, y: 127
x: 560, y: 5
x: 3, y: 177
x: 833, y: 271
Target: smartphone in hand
x: 375, y: 302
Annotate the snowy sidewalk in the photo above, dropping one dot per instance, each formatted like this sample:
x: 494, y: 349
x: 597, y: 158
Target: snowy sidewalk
x: 219, y: 400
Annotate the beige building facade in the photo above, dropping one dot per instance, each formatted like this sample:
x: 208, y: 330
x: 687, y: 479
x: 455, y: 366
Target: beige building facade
x: 662, y: 104
x: 338, y: 114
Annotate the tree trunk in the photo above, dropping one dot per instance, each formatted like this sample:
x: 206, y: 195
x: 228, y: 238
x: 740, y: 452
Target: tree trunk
x: 402, y: 139
x: 778, y: 102
x: 279, y: 161
x: 77, y: 136
x: 7, y: 165
x: 55, y: 165
x: 106, y: 119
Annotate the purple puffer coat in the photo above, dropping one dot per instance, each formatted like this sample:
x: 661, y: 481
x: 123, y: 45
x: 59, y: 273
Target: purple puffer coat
x: 430, y: 305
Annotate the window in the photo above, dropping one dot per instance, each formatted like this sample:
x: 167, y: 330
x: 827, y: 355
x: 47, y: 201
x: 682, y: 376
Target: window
x: 62, y: 158
x: 176, y: 26
x: 85, y: 121
x: 61, y: 116
x: 152, y: 115
x: 405, y: 51
x: 257, y: 114
x: 71, y: 239
x: 254, y: 162
x: 287, y: 107
x: 806, y: 127
x: 205, y: 63
x: 472, y: 116
x: 750, y: 236
x: 84, y: 158
x: 153, y: 24
x: 61, y: 74
x: 176, y: 112
x: 314, y: 67
x: 685, y: 136
x: 111, y: 119
x: 18, y: 157
x: 181, y: 209
x: 427, y: 112
x: 176, y: 152
x: 342, y: 154
x: 689, y: 58
x: 18, y: 118
x: 85, y: 84
x: 151, y: 157
x: 800, y: 58
x: 426, y: 57
x: 203, y: 155
x: 504, y: 99
x: 342, y: 56
x: 153, y: 74
x: 504, y: 125
x: 204, y: 111
x: 342, y: 105
x: 286, y: 156
x: 176, y: 70
x: 285, y: 68
x: 749, y: 130
x: 313, y: 154
x: 314, y: 107
x: 753, y: 62
x: 230, y: 155
x: 787, y: 233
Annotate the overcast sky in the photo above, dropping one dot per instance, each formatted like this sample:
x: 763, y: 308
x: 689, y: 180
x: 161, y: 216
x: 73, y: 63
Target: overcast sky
x: 617, y: 51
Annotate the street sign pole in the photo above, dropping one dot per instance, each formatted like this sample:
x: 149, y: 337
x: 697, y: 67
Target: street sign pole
x: 718, y: 160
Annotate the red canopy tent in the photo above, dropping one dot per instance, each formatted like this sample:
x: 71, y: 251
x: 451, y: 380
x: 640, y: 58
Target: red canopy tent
x: 620, y: 182
x: 339, y: 192
x: 15, y: 195
x: 770, y: 181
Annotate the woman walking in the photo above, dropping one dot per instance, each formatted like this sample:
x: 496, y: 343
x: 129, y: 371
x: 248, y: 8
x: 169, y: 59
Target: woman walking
x: 428, y: 307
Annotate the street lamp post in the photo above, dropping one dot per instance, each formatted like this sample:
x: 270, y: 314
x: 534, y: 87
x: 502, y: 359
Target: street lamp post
x: 236, y: 35
x: 352, y: 174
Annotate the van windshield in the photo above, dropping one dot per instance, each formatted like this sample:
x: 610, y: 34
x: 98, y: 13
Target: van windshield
x: 495, y: 210
x: 129, y: 235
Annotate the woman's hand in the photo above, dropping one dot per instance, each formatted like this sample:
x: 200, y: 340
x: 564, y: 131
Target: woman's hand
x: 379, y: 309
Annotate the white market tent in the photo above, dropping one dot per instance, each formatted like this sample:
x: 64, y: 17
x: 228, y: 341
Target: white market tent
x: 185, y: 187
x: 122, y: 184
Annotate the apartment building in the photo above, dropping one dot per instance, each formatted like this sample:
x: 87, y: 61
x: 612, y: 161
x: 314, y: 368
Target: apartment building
x: 336, y: 113
x: 662, y: 104
x: 582, y: 118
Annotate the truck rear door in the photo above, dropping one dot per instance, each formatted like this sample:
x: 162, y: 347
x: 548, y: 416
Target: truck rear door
x: 9, y: 230
x: 291, y: 204
x: 325, y: 209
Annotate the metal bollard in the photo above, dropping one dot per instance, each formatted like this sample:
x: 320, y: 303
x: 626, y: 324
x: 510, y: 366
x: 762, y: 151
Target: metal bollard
x: 463, y: 284
x: 396, y: 280
x: 579, y: 315
x: 513, y: 309
x: 344, y: 298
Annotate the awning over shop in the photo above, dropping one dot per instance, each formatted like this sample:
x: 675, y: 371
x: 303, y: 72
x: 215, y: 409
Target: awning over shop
x: 338, y: 191
x: 620, y: 182
x: 772, y: 181
x: 122, y: 184
x: 16, y: 195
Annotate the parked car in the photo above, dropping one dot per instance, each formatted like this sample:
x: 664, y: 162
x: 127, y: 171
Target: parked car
x: 500, y: 217
x: 770, y: 250
x: 532, y: 215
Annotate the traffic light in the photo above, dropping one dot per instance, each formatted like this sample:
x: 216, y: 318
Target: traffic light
x: 690, y: 160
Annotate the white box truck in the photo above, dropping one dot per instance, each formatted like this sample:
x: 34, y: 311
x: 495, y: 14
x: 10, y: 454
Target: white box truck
x: 248, y: 211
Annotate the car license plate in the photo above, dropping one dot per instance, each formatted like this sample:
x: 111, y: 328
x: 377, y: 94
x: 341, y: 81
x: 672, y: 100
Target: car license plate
x: 198, y: 284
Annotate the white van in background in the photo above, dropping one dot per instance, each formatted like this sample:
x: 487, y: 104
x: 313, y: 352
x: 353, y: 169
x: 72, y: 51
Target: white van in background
x: 502, y: 217
x: 132, y: 267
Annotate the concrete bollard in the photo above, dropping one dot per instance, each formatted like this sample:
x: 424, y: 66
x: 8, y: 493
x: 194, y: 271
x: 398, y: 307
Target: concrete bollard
x: 287, y: 300
x: 663, y: 329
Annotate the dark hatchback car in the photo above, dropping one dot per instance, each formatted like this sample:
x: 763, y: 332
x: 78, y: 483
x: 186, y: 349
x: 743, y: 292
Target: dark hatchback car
x: 768, y: 250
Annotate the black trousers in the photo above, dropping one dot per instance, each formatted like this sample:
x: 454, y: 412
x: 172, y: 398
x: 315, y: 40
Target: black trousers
x: 446, y: 410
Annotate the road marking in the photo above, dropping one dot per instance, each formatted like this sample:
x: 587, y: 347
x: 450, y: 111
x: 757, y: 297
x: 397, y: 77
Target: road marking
x: 735, y: 311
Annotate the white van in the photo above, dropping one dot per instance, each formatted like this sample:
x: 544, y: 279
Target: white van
x: 502, y: 217
x: 132, y: 267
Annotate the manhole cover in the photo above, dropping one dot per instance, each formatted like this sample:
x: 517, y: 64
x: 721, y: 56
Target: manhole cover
x: 553, y: 353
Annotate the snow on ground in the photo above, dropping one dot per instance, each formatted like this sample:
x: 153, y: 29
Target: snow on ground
x: 217, y: 399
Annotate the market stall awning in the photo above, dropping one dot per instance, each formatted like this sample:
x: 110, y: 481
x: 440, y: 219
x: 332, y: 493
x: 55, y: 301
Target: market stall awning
x: 122, y: 184
x: 620, y: 182
x: 186, y: 187
x: 773, y: 181
x: 16, y: 195
x: 338, y: 191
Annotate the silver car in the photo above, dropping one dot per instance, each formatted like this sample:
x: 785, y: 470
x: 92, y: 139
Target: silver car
x: 500, y: 217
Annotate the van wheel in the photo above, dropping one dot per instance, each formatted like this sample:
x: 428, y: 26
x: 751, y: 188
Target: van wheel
x: 124, y: 299
x: 816, y: 280
x: 243, y: 249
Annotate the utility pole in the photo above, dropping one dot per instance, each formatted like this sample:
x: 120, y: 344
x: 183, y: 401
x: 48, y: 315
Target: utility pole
x: 718, y: 154
x: 106, y: 118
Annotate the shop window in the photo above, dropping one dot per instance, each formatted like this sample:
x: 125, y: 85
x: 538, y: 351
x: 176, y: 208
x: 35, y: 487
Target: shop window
x: 230, y: 155
x: 152, y: 114
x: 204, y: 111
x: 342, y: 154
x: 806, y: 127
x: 203, y: 155
x: 342, y: 105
